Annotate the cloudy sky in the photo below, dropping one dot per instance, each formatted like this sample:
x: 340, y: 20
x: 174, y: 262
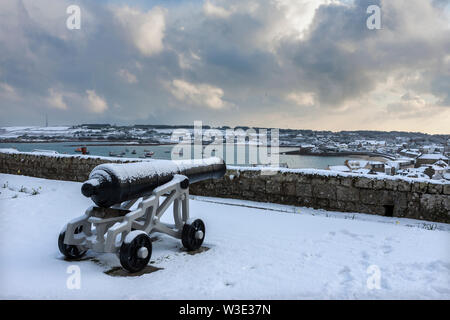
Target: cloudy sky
x: 309, y: 64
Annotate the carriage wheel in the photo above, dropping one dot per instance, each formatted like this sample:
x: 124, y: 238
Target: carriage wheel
x: 135, y: 253
x: 193, y: 235
x: 71, y: 252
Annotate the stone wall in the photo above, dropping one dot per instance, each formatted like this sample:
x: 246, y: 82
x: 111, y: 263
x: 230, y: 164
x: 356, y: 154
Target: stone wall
x: 391, y: 196
x: 333, y: 191
x: 56, y: 167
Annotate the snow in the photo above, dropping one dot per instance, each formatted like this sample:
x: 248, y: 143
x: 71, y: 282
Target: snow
x: 8, y: 191
x: 330, y: 173
x: 265, y: 170
x: 134, y: 171
x: 14, y: 132
x: 59, y: 155
x: 256, y: 251
x: 362, y: 171
x: 45, y: 151
x: 340, y: 168
x: 433, y: 156
x: 355, y: 164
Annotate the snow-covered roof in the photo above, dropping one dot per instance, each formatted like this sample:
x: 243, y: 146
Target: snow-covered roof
x: 403, y: 160
x: 357, y: 163
x: 433, y: 156
x: 410, y: 151
x: 372, y: 142
x: 440, y: 163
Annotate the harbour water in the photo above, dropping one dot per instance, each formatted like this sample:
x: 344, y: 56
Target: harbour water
x: 164, y: 152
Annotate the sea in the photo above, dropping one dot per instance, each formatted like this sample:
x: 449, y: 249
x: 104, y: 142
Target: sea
x: 165, y: 152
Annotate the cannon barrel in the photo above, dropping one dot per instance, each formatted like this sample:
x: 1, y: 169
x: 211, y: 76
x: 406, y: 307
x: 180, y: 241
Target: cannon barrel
x: 113, y: 183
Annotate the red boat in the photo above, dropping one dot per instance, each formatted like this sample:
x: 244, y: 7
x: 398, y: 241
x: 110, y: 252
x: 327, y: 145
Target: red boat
x: 83, y: 150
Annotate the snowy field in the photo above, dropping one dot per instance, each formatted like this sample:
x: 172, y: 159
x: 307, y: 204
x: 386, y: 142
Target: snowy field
x: 14, y: 132
x: 256, y: 251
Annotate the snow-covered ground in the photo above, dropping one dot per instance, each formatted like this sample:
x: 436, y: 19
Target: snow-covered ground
x: 256, y: 251
x: 14, y: 132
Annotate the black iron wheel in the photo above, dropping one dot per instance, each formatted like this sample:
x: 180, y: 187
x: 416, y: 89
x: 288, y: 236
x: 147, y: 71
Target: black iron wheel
x: 135, y: 254
x: 71, y: 252
x: 193, y: 235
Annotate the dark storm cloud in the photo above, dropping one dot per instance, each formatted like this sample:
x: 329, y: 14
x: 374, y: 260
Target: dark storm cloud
x: 233, y: 64
x: 332, y: 61
x: 342, y: 59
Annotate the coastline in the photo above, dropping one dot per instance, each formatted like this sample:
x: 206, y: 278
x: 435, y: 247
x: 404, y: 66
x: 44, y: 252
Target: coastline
x: 372, y: 156
x: 91, y: 143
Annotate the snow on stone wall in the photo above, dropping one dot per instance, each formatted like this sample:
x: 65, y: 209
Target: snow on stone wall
x: 348, y: 193
x: 52, y: 166
x: 399, y: 197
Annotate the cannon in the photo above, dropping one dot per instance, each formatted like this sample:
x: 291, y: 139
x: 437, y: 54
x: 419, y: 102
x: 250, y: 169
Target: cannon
x: 128, y: 209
